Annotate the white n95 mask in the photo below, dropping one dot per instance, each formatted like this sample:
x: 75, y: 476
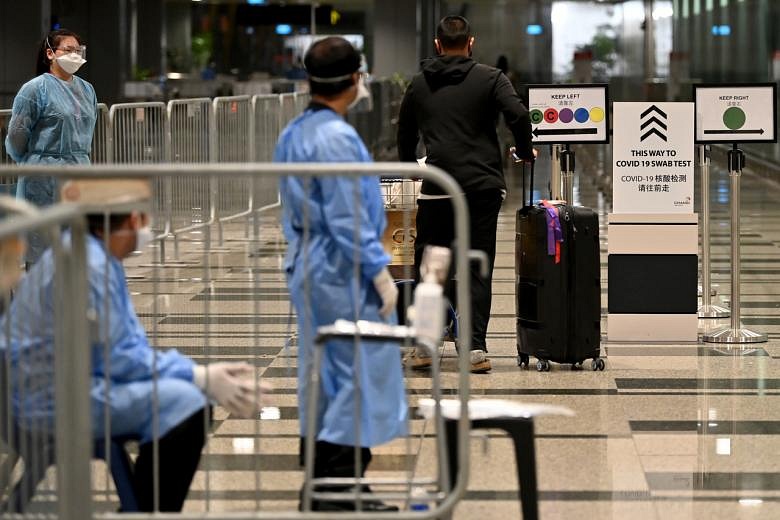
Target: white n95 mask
x: 71, y: 63
x: 362, y: 93
x: 143, y: 237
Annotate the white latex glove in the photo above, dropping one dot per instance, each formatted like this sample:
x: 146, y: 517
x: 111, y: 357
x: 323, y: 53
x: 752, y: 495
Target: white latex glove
x: 385, y: 286
x: 232, y: 385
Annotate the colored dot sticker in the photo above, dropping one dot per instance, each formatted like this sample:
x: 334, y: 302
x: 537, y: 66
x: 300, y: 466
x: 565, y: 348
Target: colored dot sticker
x: 734, y: 118
x: 581, y: 115
x: 551, y: 115
x: 536, y: 116
x: 597, y: 114
x: 566, y: 115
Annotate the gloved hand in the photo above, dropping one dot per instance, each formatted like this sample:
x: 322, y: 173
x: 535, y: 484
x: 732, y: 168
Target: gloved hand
x: 385, y: 286
x: 232, y: 385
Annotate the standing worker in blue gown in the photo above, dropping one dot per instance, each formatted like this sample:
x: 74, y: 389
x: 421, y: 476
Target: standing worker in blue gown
x: 320, y: 218
x: 126, y: 370
x: 52, y: 121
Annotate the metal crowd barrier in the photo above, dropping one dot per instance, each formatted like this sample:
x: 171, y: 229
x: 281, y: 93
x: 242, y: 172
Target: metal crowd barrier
x: 189, y: 135
x: 225, y: 129
x: 234, y: 133
x: 101, y: 142
x: 208, y: 333
x: 268, y: 115
x: 290, y: 108
x: 41, y: 440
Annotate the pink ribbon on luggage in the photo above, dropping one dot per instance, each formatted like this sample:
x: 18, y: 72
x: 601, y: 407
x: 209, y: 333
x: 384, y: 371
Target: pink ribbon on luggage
x: 554, y: 231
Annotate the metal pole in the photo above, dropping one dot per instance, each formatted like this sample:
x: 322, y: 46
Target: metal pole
x: 735, y: 333
x: 707, y: 309
x: 649, y: 27
x: 555, y: 173
x: 567, y: 175
x: 164, y: 48
x: 72, y: 376
x: 133, y: 38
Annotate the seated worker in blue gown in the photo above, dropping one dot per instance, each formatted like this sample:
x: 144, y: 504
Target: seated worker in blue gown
x: 125, y: 385
x: 331, y: 224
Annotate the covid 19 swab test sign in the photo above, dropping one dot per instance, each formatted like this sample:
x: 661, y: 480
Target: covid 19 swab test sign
x: 653, y: 158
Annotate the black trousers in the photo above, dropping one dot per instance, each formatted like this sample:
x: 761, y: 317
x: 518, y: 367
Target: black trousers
x: 179, y: 452
x: 335, y: 460
x: 436, y: 226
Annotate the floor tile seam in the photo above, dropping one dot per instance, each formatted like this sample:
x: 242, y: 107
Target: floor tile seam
x: 509, y: 495
x: 491, y: 435
x: 689, y: 392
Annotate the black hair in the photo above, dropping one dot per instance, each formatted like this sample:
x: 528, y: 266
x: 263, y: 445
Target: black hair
x: 329, y: 59
x: 96, y: 223
x: 453, y: 32
x: 52, y: 41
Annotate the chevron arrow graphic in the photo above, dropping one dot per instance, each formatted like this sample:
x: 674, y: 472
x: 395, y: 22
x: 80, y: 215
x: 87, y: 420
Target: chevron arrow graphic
x: 652, y: 109
x: 653, y: 120
x: 651, y: 132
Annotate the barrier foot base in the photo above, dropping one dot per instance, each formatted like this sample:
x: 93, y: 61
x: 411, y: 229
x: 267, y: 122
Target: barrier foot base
x: 729, y: 335
x: 713, y: 311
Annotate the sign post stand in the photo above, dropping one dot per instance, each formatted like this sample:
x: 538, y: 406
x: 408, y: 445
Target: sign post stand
x: 556, y: 192
x: 733, y: 114
x: 735, y: 333
x: 707, y: 308
x: 567, y: 175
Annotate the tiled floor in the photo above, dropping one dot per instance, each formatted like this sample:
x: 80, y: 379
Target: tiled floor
x: 666, y: 432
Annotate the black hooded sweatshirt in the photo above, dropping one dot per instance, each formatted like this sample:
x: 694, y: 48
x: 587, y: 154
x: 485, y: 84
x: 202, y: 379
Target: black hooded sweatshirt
x: 454, y: 103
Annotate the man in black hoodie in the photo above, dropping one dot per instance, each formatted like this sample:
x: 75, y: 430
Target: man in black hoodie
x: 454, y: 104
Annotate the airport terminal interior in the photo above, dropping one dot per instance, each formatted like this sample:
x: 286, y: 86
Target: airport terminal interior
x: 679, y: 422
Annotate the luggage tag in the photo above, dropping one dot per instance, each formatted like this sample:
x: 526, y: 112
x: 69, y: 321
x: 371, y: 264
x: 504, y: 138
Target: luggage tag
x: 554, y: 230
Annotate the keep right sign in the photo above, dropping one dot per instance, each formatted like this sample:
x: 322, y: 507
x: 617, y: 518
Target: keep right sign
x: 736, y: 113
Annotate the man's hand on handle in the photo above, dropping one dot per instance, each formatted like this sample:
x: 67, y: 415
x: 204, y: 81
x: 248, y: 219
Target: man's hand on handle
x: 515, y: 158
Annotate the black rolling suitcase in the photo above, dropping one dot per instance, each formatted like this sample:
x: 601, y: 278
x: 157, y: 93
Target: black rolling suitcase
x: 558, y: 303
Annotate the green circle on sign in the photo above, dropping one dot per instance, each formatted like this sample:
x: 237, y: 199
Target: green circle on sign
x: 734, y: 118
x: 536, y: 116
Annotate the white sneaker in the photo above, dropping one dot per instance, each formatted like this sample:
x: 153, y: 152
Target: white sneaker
x: 480, y: 364
x: 419, y: 359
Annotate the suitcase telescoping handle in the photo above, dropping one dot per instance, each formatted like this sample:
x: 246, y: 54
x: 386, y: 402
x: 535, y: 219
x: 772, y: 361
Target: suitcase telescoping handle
x: 517, y: 159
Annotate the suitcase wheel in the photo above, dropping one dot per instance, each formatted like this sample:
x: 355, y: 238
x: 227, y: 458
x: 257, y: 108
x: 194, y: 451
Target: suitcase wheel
x: 597, y: 364
x: 523, y: 360
x: 543, y: 365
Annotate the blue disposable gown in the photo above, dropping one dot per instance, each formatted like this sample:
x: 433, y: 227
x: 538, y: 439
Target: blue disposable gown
x: 326, y: 260
x: 52, y: 122
x: 129, y: 373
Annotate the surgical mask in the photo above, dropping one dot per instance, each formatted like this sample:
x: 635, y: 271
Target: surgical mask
x: 70, y: 63
x: 362, y: 93
x: 143, y: 237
